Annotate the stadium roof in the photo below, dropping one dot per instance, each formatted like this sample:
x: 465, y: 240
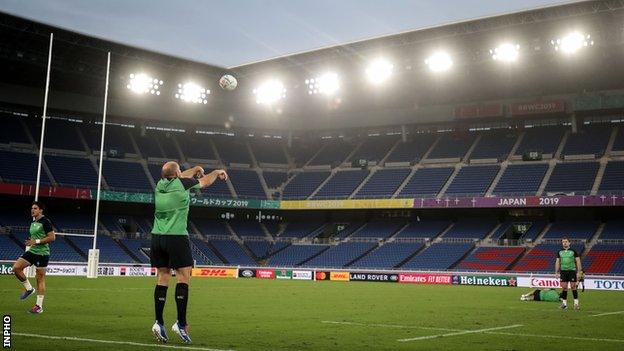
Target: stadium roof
x: 79, y: 61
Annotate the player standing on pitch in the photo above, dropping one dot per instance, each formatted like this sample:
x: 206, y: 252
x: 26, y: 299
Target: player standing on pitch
x: 170, y: 248
x: 37, y: 253
x: 568, y: 267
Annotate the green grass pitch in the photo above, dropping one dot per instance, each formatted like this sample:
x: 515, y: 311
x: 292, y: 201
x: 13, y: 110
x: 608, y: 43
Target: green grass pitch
x: 251, y: 314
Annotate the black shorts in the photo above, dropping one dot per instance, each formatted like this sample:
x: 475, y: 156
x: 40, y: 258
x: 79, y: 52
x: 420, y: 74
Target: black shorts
x: 536, y: 295
x: 568, y: 276
x: 170, y: 251
x: 39, y: 261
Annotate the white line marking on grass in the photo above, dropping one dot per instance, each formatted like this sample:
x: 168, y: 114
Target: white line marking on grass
x: 72, y: 338
x: 556, y: 337
x: 389, y: 326
x: 606, y: 314
x: 460, y: 333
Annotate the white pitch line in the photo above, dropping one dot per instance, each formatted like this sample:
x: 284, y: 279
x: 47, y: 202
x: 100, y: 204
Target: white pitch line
x: 72, y: 338
x: 556, y: 337
x: 460, y: 333
x: 390, y: 326
x: 606, y: 314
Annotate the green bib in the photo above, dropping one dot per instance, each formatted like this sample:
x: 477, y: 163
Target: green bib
x: 172, y: 207
x: 568, y: 262
x: 37, y: 232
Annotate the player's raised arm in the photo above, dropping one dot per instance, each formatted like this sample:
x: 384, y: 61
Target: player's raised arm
x: 193, y: 172
x: 210, y: 178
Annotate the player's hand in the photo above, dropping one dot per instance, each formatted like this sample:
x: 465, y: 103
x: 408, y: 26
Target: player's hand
x: 30, y: 242
x: 221, y: 174
x: 199, y: 171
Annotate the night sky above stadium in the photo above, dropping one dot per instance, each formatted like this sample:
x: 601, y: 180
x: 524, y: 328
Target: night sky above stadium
x: 230, y: 33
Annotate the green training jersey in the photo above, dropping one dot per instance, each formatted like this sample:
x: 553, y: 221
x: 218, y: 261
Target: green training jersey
x: 39, y: 229
x: 568, y: 259
x: 172, y: 201
x: 549, y: 295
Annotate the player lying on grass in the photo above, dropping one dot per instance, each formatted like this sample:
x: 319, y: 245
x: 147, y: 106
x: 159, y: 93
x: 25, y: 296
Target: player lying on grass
x: 170, y: 247
x: 37, y: 254
x: 568, y: 268
x: 550, y: 295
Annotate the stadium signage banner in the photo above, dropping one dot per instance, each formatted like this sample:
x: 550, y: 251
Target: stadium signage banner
x: 484, y: 280
x: 6, y: 269
x: 520, y: 201
x: 321, y: 275
x: 605, y: 284
x: 47, y: 191
x: 345, y: 204
x: 479, y: 111
x: 265, y: 274
x: 246, y: 273
x: 423, y: 278
x: 233, y: 203
x: 215, y: 272
x: 283, y: 274
x: 339, y: 276
x: 302, y: 275
x: 374, y: 277
x: 539, y: 282
x: 64, y: 270
x: 537, y: 108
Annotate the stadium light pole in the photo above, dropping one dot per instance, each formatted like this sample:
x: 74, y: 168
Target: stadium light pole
x: 43, y: 120
x: 94, y: 254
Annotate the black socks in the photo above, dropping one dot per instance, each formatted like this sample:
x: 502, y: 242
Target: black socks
x: 181, y: 297
x: 160, y: 296
x: 575, y: 294
x: 564, y: 295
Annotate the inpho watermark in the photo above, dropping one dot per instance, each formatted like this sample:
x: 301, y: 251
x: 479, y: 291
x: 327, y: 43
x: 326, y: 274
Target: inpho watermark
x: 6, y: 332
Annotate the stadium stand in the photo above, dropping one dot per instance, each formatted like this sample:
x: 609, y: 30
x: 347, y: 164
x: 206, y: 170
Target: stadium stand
x: 490, y: 259
x: 72, y: 171
x: 383, y: 183
x: 473, y: 180
x: 303, y: 185
x: 475, y: 228
x: 300, y: 229
x: 412, y: 150
x: 274, y: 179
x: 575, y: 230
x: 9, y: 250
x: 125, y: 176
x: 541, y: 258
x: 137, y: 248
x: 12, y: 130
x: 117, y: 137
x: 232, y: 252
x: 452, y: 146
x: 20, y: 167
x: 246, y: 184
x: 587, y: 141
x: 110, y: 251
x: 210, y: 227
x: 205, y: 249
x: 605, y: 259
x: 613, y: 230
x: 294, y: 255
x: 380, y: 230
x: 576, y: 177
x: 341, y: 184
x: 426, y: 182
x: 494, y: 145
x: 613, y: 178
x: 197, y: 146
x: 423, y: 229
x: 440, y: 256
x: 65, y: 135
x: 232, y: 150
x: 521, y: 179
x: 374, y: 148
x: 333, y: 153
x: 247, y: 228
x: 262, y: 249
x: 544, y: 140
x: 388, y: 255
x: 340, y: 255
x: 268, y: 151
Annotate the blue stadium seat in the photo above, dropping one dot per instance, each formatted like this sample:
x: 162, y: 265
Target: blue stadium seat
x: 388, y: 255
x: 269, y: 151
x: 333, y: 153
x: 440, y: 256
x: 542, y: 139
x: 72, y: 171
x: 294, y: 255
x: 613, y: 229
x: 232, y: 150
x: 476, y: 228
x: 423, y: 229
x: 426, y: 182
x: 588, y: 141
x: 274, y: 179
x: 247, y: 228
x: 246, y: 184
x: 521, y: 179
x: 128, y: 176
x: 378, y: 229
x: 613, y: 178
x: 383, y: 183
x: 110, y: 251
x: 340, y: 255
x: 577, y: 177
x: 19, y: 167
x: 300, y: 229
x: 374, y: 148
x: 9, y: 250
x: 197, y: 146
x: 473, y: 180
x: 452, y: 146
x: 583, y: 230
x: 210, y: 227
x: 412, y: 150
x: 12, y: 130
x: 303, y: 184
x: 232, y: 252
x: 495, y: 144
x: 341, y: 184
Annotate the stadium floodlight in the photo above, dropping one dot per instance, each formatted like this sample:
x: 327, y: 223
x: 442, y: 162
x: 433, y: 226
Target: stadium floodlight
x: 142, y: 83
x: 270, y: 92
x: 439, y: 61
x: 506, y: 52
x: 379, y: 70
x: 193, y: 93
x: 572, y: 42
x: 326, y: 84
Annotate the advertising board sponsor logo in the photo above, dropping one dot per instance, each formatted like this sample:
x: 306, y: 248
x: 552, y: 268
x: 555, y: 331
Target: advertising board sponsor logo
x: 6, y: 269
x: 122, y: 270
x: 322, y: 275
x: 374, y: 277
x: 540, y: 107
x: 215, y: 272
x: 246, y: 273
x: 339, y: 276
x: 138, y: 271
x: 62, y: 270
x: 538, y: 282
x: 105, y: 271
x: 606, y: 284
x: 265, y: 274
x: 484, y: 280
x: 418, y: 278
x: 302, y: 275
x: 284, y: 274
